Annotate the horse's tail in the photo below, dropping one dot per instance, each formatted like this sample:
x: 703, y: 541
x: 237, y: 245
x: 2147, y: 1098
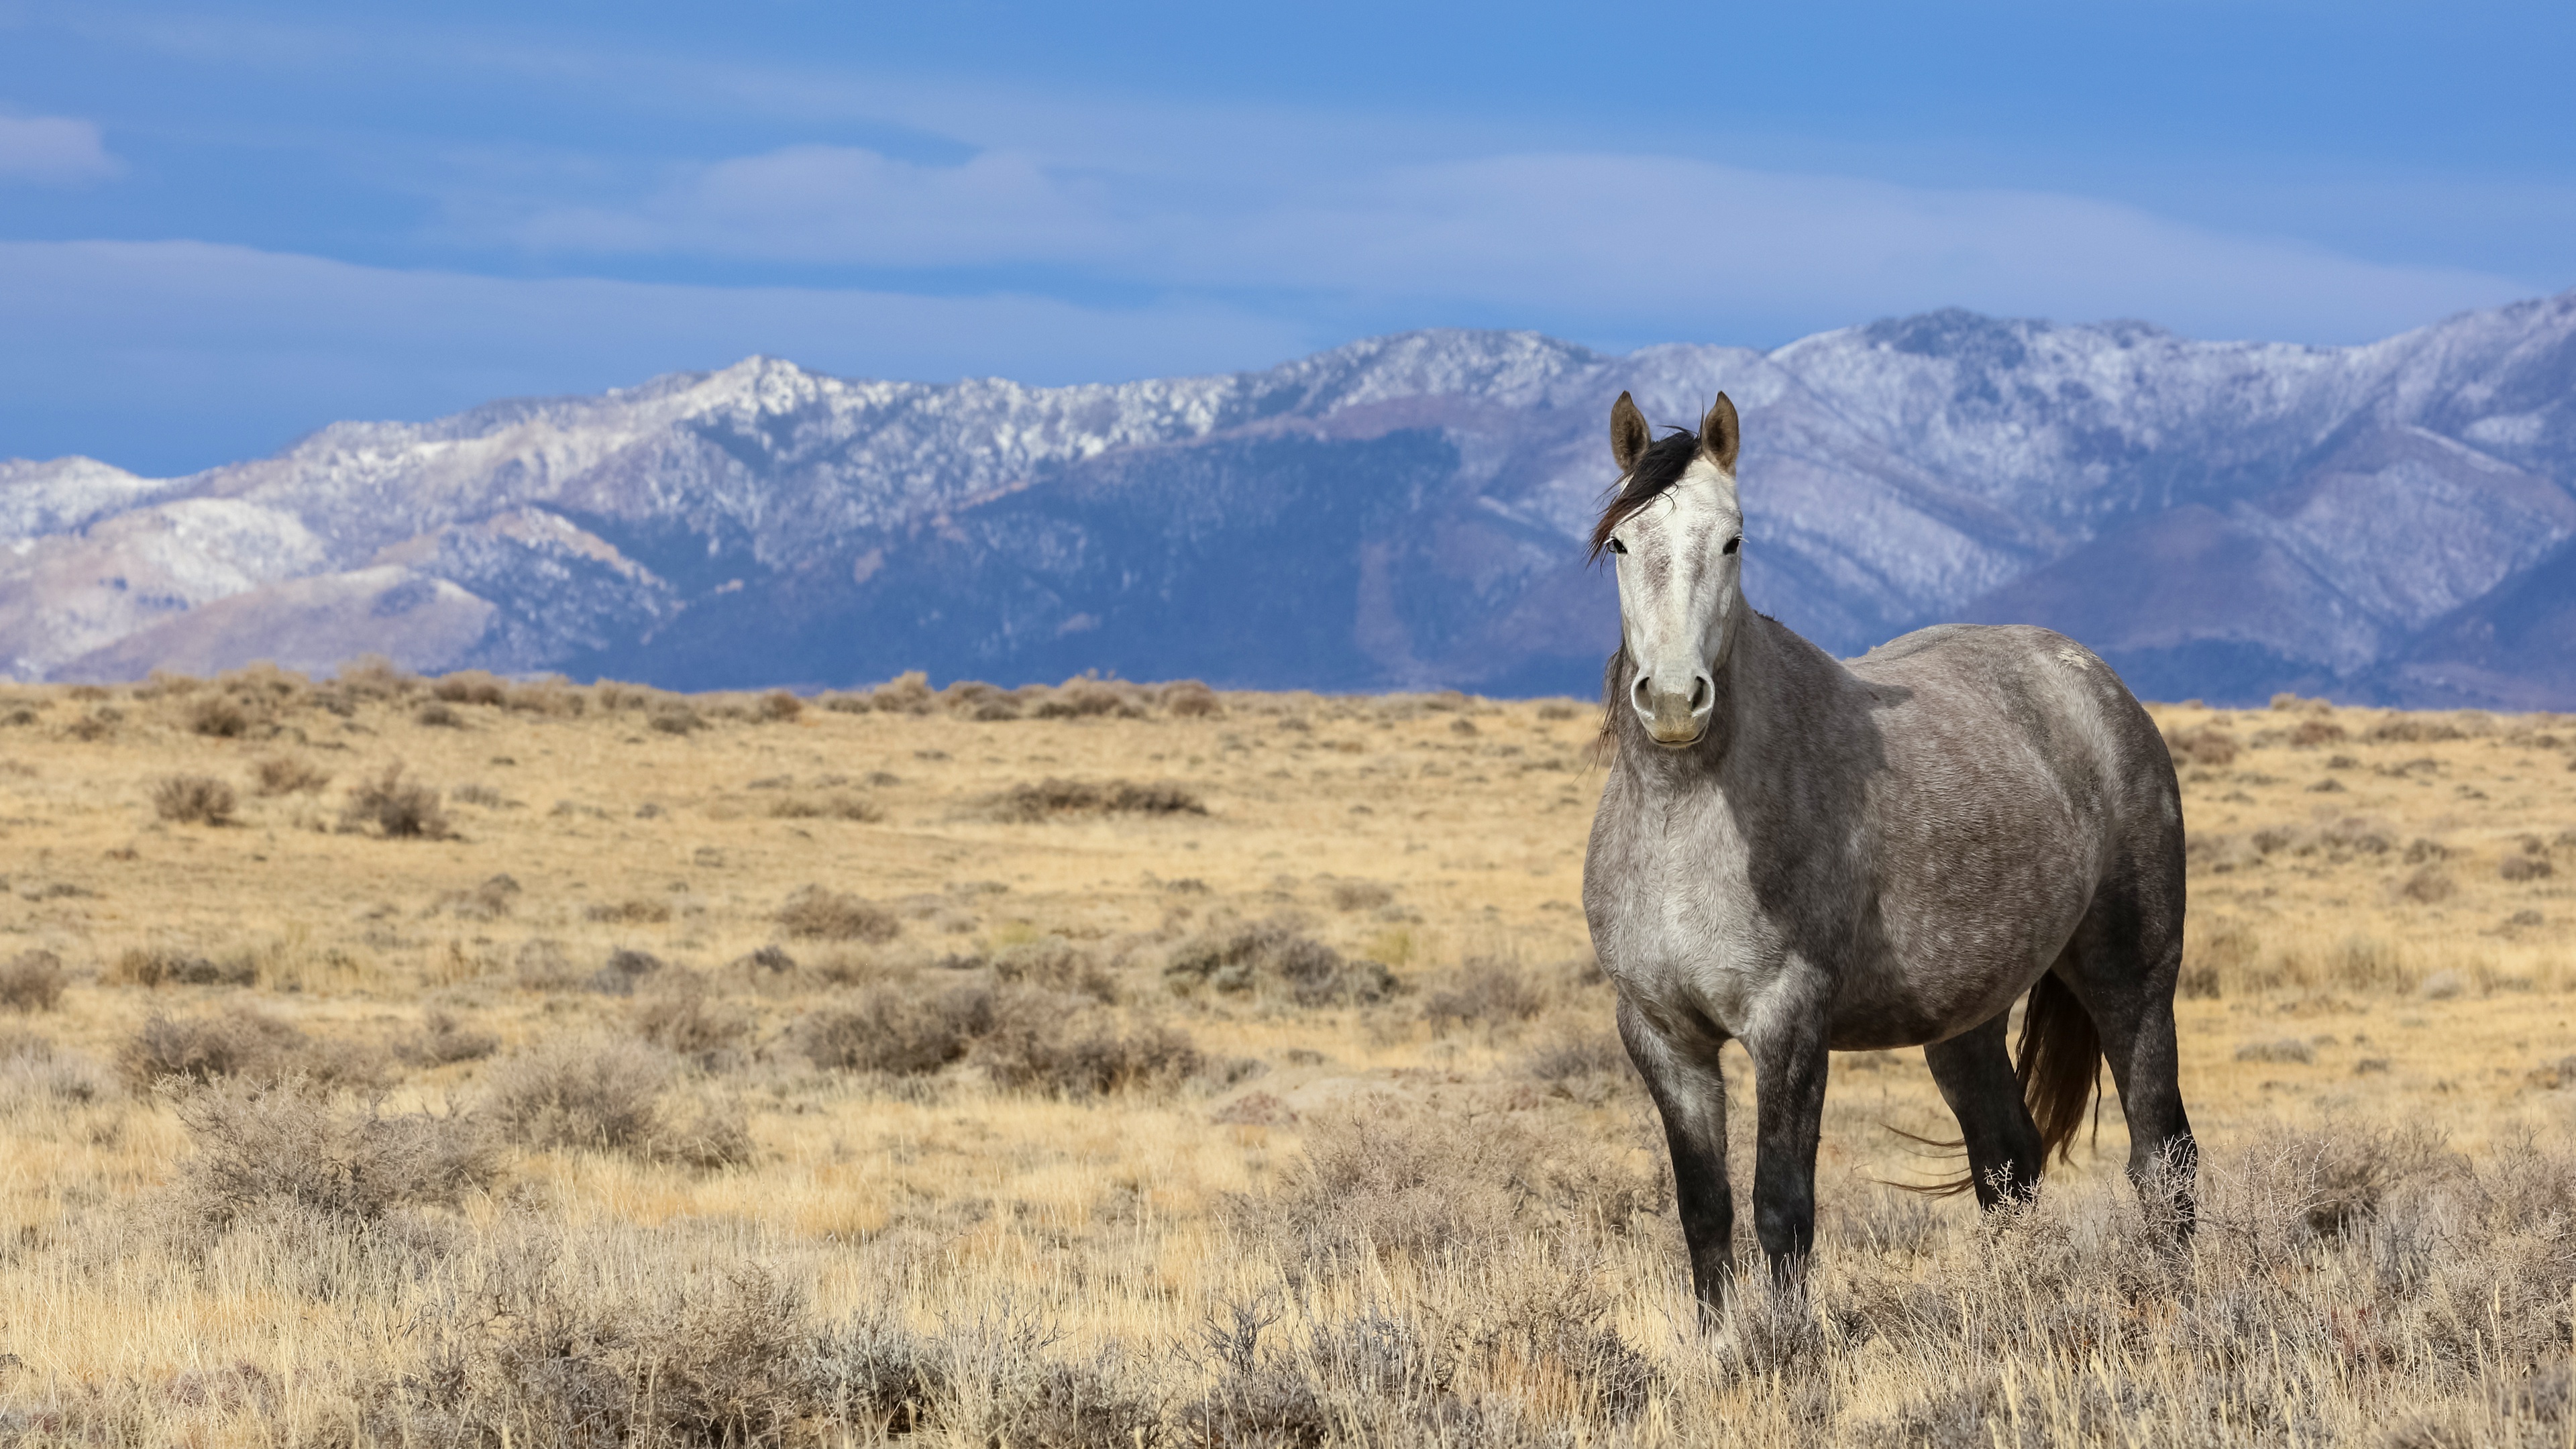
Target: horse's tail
x: 2059, y: 1061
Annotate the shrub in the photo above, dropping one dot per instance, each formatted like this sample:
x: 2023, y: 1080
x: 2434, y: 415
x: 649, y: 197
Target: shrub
x: 1028, y: 804
x: 219, y: 716
x: 1487, y: 993
x: 596, y: 1092
x: 32, y: 981
x: 1056, y: 964
x: 259, y: 1145
x: 193, y: 800
x: 899, y: 1033
x: 634, y: 911
x: 437, y: 715
x: 1361, y: 895
x: 672, y: 717
x: 1189, y: 699
x: 469, y: 686
x: 488, y: 901
x: 173, y: 966
x: 834, y: 805
x: 2207, y: 745
x: 904, y: 694
x: 817, y: 914
x: 680, y: 1014
x: 1276, y: 956
x: 246, y: 1044
x: 2288, y: 1049
x: 778, y: 705
x: 444, y: 1039
x: 400, y: 809
x: 542, y: 966
x: 1039, y: 1047
x: 34, y: 1069
x: 287, y: 775
x: 2524, y: 867
x: 623, y: 969
x: 2428, y: 885
x: 2311, y: 733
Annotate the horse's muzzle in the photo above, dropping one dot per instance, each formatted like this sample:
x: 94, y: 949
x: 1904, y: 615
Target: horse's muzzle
x: 1675, y: 718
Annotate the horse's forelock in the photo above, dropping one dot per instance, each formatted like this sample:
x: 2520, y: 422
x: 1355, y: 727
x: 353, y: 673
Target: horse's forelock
x: 1658, y: 469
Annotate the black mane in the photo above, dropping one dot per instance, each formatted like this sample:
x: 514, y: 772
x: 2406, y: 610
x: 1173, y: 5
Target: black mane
x: 1658, y: 468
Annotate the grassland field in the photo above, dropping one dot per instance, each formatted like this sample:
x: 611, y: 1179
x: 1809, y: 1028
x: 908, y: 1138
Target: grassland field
x: 388, y: 1060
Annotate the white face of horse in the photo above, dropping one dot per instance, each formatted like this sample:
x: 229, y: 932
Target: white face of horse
x: 1679, y: 559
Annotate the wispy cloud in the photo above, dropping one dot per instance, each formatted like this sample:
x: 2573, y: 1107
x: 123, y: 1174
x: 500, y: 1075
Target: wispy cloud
x: 1595, y: 243
x: 53, y: 149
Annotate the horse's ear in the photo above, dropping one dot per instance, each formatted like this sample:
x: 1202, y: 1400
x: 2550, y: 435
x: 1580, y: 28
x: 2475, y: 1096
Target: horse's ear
x: 1629, y: 434
x: 1720, y: 434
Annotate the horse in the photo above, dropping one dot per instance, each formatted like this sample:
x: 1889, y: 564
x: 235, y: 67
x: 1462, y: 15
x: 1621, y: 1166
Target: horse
x: 1810, y: 855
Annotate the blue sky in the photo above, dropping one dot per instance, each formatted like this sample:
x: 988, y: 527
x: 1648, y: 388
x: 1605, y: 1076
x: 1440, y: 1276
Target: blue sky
x: 224, y: 225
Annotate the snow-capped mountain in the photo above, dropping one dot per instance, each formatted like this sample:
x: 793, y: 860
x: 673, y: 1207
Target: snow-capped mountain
x: 2389, y: 522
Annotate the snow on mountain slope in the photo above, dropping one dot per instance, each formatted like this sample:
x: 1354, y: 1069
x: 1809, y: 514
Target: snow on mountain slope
x: 2221, y: 518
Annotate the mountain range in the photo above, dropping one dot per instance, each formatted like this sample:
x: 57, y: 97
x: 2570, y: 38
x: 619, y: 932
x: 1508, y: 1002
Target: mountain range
x: 2388, y: 523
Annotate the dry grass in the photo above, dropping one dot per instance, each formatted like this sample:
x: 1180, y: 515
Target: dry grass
x: 1010, y: 1113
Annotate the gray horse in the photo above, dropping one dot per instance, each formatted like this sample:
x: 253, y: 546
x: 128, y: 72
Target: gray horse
x: 1808, y: 856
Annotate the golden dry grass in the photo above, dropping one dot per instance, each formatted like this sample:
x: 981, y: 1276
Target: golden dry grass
x: 2381, y: 918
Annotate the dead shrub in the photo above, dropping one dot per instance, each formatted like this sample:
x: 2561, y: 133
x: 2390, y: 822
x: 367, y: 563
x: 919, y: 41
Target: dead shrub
x: 175, y: 966
x: 193, y: 800
x: 1190, y: 699
x: 817, y: 914
x: 33, y: 1069
x: 2311, y: 733
x: 1361, y: 895
x: 474, y: 792
x: 488, y: 901
x: 438, y: 715
x: 2428, y: 885
x: 399, y: 809
x: 2216, y: 958
x: 898, y: 1033
x: 673, y: 717
x: 31, y: 981
x: 2288, y: 1049
x: 1056, y: 964
x: 264, y: 1145
x: 2208, y: 744
x: 443, y: 1039
x: 605, y: 1094
x: 249, y: 1045
x: 623, y: 969
x: 219, y: 716
x: 287, y: 775
x: 831, y: 805
x: 2411, y: 730
x: 469, y: 686
x: 1486, y: 993
x: 1086, y: 699
x: 904, y: 694
x: 1394, y: 1176
x: 2525, y: 867
x: 1575, y: 1058
x: 1055, y: 1047
x: 634, y: 911
x: 1050, y: 799
x: 1274, y: 956
x: 681, y: 1014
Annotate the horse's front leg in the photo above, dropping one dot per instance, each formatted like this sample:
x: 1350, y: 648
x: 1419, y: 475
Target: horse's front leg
x: 1691, y: 1096
x: 1790, y: 1062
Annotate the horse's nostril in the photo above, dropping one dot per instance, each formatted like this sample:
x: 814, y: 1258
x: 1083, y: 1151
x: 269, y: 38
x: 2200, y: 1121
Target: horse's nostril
x: 1640, y: 693
x: 1699, y: 693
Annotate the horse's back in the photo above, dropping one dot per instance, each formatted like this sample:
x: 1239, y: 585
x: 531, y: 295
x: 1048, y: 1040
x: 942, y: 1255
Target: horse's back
x: 2035, y: 693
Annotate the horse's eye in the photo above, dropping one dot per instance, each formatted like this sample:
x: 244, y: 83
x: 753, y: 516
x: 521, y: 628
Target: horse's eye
x: 1733, y: 544
x: 1617, y: 547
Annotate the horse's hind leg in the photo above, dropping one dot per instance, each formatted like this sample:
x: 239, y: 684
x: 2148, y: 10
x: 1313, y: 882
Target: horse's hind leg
x: 2121, y: 966
x: 1975, y: 1075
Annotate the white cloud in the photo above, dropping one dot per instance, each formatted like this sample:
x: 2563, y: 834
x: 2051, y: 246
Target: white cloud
x: 1598, y: 244
x: 53, y: 148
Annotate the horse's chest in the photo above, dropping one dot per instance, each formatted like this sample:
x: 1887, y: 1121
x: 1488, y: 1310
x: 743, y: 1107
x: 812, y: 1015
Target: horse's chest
x: 1676, y: 925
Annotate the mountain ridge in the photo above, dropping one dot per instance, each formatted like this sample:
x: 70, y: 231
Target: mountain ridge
x: 2219, y: 519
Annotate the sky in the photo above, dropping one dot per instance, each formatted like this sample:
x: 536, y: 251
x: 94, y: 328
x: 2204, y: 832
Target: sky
x: 224, y: 225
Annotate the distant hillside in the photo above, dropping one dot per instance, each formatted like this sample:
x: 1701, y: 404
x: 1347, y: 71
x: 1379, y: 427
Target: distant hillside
x: 2391, y: 523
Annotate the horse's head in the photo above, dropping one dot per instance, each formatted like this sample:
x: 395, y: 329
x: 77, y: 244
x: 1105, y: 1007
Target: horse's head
x: 1675, y: 536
